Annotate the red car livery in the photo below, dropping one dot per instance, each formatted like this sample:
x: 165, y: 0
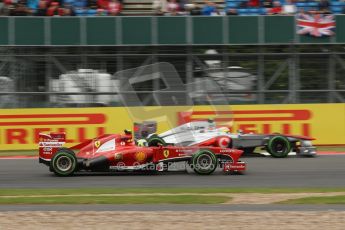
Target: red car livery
x: 116, y: 152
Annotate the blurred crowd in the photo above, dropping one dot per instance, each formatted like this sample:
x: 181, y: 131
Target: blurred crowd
x: 61, y: 7
x: 240, y: 7
x: 163, y: 7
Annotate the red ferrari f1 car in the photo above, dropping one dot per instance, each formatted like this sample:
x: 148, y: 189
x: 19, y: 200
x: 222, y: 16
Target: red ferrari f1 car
x: 118, y: 152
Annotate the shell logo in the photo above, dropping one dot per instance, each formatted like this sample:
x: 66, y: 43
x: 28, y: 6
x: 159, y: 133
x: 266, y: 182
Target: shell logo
x: 118, y: 156
x: 140, y: 156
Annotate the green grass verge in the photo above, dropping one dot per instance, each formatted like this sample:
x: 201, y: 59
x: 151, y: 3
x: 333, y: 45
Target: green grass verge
x: 6, y: 153
x: 176, y: 199
x: 68, y: 191
x: 316, y: 200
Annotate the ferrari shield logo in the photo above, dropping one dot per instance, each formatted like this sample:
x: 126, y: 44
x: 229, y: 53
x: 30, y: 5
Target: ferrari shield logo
x: 97, y: 144
x: 166, y: 153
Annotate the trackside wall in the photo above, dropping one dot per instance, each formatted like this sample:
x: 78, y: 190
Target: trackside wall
x: 19, y: 128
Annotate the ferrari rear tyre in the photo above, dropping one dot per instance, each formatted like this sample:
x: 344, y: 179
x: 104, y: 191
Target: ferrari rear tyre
x: 64, y: 163
x: 279, y: 146
x: 204, y: 162
x: 155, y: 141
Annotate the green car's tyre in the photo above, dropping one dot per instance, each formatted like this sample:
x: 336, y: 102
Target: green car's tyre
x: 155, y: 140
x: 279, y: 146
x: 64, y: 162
x: 204, y: 162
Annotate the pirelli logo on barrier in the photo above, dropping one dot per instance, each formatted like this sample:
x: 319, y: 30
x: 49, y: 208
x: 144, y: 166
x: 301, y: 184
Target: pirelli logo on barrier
x: 19, y: 128
x: 24, y: 128
x: 256, y: 121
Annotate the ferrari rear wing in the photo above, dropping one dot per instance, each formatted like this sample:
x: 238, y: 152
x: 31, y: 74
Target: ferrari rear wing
x: 48, y: 145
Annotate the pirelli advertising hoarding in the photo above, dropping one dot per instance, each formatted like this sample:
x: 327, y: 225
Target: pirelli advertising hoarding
x: 19, y: 128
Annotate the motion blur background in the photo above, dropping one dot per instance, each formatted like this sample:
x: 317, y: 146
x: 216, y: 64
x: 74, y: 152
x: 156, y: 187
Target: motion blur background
x: 255, y: 56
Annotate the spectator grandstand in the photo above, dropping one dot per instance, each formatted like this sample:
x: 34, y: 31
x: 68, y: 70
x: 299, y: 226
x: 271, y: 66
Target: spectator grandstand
x: 167, y: 7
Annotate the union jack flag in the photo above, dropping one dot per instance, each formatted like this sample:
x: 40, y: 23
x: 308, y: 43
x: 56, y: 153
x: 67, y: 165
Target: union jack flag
x: 317, y: 25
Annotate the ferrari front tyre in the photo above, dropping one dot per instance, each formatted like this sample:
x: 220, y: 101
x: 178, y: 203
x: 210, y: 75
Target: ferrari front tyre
x: 155, y: 141
x: 204, y: 162
x: 64, y: 163
x: 279, y: 146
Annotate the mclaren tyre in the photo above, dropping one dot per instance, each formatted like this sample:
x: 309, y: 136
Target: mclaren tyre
x: 279, y: 146
x: 204, y: 162
x: 64, y: 162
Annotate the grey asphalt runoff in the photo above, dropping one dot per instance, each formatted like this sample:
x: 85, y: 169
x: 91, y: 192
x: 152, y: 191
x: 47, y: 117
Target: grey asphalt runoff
x: 320, y: 171
x: 172, y: 207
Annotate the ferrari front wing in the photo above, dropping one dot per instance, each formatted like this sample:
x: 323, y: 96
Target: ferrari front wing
x: 234, y: 166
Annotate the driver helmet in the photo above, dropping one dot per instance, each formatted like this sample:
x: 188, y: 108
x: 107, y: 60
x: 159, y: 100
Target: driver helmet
x: 127, y: 132
x: 224, y: 129
x: 142, y: 143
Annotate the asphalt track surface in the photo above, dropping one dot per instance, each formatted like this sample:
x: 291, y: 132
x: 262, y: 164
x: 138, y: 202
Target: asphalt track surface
x: 320, y: 171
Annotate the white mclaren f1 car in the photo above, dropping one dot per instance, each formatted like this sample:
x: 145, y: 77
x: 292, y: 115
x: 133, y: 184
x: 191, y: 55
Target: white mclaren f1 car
x: 206, y: 133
